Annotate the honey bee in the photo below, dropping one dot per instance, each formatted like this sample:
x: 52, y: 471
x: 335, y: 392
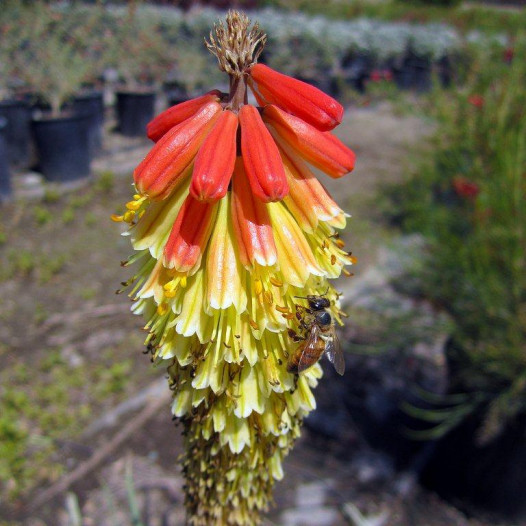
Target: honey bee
x: 319, y: 337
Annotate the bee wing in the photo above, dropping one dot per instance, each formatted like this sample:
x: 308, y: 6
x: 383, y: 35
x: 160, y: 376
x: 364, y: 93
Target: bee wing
x: 334, y: 353
x: 309, y: 348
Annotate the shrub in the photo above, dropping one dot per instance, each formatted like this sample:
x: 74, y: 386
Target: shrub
x: 469, y: 201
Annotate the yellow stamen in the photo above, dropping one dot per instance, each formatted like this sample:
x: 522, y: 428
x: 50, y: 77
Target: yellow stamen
x: 258, y: 287
x: 116, y: 218
x: 133, y: 205
x: 162, y: 309
x: 129, y: 216
x: 268, y: 297
x: 276, y: 282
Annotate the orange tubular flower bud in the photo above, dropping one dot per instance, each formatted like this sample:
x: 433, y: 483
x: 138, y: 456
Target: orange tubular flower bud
x: 251, y: 221
x: 173, y: 116
x: 296, y: 97
x: 161, y: 170
x: 308, y: 200
x: 321, y: 149
x: 261, y: 158
x: 215, y: 161
x: 189, y: 236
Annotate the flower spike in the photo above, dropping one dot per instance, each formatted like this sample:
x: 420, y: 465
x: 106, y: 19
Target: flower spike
x: 173, y: 116
x: 322, y: 149
x: 294, y: 96
x: 214, y: 163
x: 159, y: 173
x: 261, y: 158
x: 235, y: 240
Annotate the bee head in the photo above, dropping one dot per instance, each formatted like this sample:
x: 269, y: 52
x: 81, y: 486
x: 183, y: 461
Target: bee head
x: 323, y: 318
x: 318, y: 303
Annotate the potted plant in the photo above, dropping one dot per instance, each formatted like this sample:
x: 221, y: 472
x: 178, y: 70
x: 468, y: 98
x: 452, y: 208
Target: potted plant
x: 16, y: 110
x: 52, y: 62
x: 137, y: 54
x: 91, y: 26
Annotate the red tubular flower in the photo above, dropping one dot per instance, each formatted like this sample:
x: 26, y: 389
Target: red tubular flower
x: 476, y: 100
x: 251, y: 221
x: 173, y: 116
x: 189, y: 235
x: 322, y: 149
x: 214, y: 163
x: 465, y: 188
x: 261, y: 158
x: 376, y: 75
x: 162, y: 169
x: 296, y: 97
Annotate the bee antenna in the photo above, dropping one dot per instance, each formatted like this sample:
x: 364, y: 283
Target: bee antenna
x: 302, y: 297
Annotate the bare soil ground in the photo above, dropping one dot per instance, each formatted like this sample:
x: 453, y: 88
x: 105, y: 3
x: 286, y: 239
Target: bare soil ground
x: 71, y: 353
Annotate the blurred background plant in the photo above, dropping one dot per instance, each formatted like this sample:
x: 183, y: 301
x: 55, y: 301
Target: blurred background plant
x: 136, y: 49
x: 51, y: 59
x: 468, y: 200
x: 10, y: 40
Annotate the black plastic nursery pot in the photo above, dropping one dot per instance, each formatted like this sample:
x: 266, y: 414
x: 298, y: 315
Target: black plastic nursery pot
x: 5, y: 175
x: 414, y: 74
x: 62, y: 147
x: 17, y: 133
x: 92, y: 105
x: 356, y: 70
x: 134, y: 112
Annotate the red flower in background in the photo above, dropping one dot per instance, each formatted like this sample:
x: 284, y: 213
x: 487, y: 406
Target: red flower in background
x: 476, y: 100
x: 377, y: 75
x: 465, y: 188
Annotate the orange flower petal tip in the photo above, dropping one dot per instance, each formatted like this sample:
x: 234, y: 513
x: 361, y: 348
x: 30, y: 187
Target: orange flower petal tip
x: 215, y: 161
x: 294, y: 96
x: 189, y: 235
x: 173, y: 116
x: 162, y: 169
x: 321, y: 149
x: 308, y: 200
x: 261, y: 158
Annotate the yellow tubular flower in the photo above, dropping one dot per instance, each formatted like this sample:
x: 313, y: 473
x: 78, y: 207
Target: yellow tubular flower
x: 235, y: 241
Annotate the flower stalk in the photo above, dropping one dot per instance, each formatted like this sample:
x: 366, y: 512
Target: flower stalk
x: 234, y: 237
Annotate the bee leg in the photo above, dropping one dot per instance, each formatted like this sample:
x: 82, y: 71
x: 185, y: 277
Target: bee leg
x: 299, y: 315
x: 294, y: 336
